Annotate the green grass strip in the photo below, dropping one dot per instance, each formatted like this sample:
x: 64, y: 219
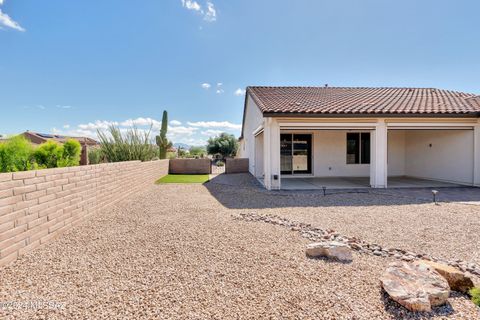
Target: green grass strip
x: 184, y: 178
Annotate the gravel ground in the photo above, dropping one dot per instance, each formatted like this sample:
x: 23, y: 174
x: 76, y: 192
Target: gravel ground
x: 177, y: 252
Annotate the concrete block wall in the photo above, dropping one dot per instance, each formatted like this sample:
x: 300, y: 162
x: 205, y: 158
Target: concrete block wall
x: 37, y: 206
x: 236, y: 165
x: 190, y: 166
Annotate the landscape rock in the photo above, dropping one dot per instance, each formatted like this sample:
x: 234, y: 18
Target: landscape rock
x: 456, y: 279
x: 332, y: 249
x: 416, y: 286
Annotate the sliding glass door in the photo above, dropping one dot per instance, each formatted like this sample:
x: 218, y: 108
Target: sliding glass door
x: 295, y: 153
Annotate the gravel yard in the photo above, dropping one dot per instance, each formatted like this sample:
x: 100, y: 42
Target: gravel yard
x: 178, y: 251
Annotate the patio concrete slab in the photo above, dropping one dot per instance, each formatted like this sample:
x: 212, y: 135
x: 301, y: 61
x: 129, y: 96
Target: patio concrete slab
x: 315, y: 183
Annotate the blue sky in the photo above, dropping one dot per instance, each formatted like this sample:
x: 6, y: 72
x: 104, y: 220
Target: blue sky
x: 74, y: 66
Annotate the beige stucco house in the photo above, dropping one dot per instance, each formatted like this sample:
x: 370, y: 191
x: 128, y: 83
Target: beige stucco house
x: 307, y: 137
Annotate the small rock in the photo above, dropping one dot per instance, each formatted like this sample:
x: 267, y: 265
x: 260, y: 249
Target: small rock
x: 331, y: 249
x: 456, y: 279
x: 377, y: 253
x: 415, y: 286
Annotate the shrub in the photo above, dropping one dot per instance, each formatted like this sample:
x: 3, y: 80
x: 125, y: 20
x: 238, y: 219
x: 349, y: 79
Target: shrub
x: 16, y: 154
x: 133, y: 145
x: 94, y: 156
x: 47, y: 154
x: 475, y: 293
x: 220, y: 163
x: 70, y: 155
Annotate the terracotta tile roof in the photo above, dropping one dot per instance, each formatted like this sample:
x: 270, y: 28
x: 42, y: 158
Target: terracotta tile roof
x: 344, y: 100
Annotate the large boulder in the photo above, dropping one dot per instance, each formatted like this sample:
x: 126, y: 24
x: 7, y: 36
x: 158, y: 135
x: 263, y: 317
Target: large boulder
x: 332, y: 249
x: 416, y: 286
x: 456, y: 279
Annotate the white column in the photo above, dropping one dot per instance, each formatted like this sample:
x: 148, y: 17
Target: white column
x: 378, y: 159
x: 271, y: 154
x: 476, y: 155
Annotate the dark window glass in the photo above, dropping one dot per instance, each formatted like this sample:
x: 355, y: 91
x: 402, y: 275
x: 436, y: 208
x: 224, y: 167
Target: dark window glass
x: 353, y: 148
x: 365, y: 147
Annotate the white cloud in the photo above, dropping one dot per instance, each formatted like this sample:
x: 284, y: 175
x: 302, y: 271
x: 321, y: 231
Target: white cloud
x: 191, y: 5
x: 6, y: 21
x: 239, y: 92
x: 220, y: 91
x: 206, y: 86
x: 211, y: 13
x: 66, y: 126
x: 211, y: 132
x: 141, y: 122
x: 175, y: 123
x: 64, y: 107
x: 215, y: 124
x: 102, y: 125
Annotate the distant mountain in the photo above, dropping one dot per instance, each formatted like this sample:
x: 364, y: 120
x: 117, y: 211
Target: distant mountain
x: 184, y: 146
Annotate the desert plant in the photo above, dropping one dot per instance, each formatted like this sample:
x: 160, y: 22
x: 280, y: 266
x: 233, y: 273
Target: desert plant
x: 16, y: 154
x: 220, y: 163
x: 475, y: 293
x: 94, y: 156
x: 198, y: 152
x: 161, y: 140
x: 131, y: 145
x: 225, y: 144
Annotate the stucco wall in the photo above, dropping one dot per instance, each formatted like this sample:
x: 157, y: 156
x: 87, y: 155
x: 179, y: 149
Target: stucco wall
x: 190, y: 166
x: 37, y: 206
x: 259, y: 156
x: 450, y: 157
x: 253, y: 119
x: 396, y: 153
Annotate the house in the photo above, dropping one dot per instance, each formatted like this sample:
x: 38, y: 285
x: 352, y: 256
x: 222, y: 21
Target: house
x: 314, y: 137
x: 85, y: 142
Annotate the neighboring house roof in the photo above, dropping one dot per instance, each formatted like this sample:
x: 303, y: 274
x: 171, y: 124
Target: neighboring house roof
x: 39, y: 138
x: 363, y: 101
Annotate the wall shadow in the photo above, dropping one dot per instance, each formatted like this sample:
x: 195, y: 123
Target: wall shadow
x: 243, y: 191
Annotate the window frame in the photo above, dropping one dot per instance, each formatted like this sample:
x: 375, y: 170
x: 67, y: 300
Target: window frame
x: 360, y: 159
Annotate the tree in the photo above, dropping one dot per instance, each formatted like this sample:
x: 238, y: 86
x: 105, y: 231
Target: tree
x: 16, y: 154
x: 225, y: 144
x: 162, y: 141
x: 198, y: 152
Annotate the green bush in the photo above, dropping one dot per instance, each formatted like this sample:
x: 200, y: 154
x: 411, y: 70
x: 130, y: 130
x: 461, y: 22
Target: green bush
x: 94, y: 156
x: 220, y: 163
x: 224, y: 144
x: 53, y: 155
x: 133, y: 145
x: 475, y: 293
x: 16, y: 154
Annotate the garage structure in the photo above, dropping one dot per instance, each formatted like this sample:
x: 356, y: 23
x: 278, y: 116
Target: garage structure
x: 314, y: 137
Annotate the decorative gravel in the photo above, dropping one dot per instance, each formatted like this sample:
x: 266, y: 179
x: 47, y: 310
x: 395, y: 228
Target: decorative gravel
x: 178, y: 252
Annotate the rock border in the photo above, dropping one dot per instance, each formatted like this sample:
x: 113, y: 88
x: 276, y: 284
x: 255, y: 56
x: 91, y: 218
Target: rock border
x: 312, y: 233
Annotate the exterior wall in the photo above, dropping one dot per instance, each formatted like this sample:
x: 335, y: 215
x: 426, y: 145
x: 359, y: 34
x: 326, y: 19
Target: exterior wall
x: 396, y: 153
x: 450, y: 158
x: 330, y: 156
x: 190, y: 166
x: 37, y: 206
x: 253, y: 120
x: 259, y: 172
x: 238, y: 165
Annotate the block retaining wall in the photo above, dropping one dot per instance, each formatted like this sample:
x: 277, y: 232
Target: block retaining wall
x: 236, y: 165
x: 190, y: 166
x: 37, y: 206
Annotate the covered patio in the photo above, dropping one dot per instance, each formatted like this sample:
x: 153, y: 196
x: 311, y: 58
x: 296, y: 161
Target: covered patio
x: 315, y: 183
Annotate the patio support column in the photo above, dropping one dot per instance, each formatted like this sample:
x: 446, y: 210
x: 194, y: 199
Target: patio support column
x: 476, y: 155
x: 378, y: 159
x: 271, y: 154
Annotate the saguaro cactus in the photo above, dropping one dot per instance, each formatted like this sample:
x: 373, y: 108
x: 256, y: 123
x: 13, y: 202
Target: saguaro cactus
x: 162, y: 141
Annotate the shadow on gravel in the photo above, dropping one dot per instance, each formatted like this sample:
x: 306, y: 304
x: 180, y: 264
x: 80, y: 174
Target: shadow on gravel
x: 399, y: 312
x: 243, y: 191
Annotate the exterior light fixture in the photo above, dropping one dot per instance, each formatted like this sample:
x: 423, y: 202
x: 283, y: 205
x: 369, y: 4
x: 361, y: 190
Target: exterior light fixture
x: 324, y: 191
x: 435, y: 192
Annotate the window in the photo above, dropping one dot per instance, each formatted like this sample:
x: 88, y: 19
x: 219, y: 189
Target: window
x: 358, y: 148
